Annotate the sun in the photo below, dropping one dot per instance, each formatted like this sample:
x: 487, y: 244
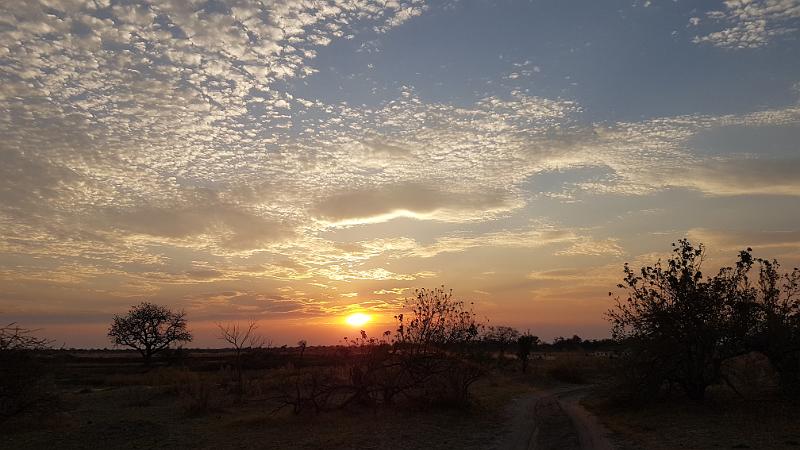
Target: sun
x: 357, y: 319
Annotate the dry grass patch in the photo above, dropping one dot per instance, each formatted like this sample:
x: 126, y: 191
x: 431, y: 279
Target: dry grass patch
x: 723, y: 421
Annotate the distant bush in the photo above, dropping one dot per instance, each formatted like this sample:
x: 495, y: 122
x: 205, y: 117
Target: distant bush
x: 525, y: 345
x: 500, y: 338
x: 578, y: 369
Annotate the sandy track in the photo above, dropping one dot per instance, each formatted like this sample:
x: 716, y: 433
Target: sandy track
x: 554, y: 419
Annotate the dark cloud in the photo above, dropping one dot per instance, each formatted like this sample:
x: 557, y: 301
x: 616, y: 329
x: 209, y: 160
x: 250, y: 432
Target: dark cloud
x: 240, y: 227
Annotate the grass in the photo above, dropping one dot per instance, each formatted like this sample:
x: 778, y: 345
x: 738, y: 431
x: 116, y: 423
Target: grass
x: 112, y: 404
x: 724, y: 420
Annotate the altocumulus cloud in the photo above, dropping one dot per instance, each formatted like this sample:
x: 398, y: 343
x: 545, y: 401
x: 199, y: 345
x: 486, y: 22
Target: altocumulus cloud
x: 137, y: 136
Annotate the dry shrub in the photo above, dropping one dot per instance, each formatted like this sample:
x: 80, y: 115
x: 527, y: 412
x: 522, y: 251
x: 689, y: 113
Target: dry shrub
x: 579, y: 369
x: 24, y: 383
x: 567, y: 369
x: 161, y: 376
x: 448, y: 385
x: 308, y: 389
x: 200, y: 397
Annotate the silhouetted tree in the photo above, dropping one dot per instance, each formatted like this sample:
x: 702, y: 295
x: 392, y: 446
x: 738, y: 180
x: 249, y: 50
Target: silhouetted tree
x: 778, y: 337
x: 437, y: 321
x: 525, y: 345
x: 149, y: 329
x: 562, y: 343
x: 435, y: 337
x: 765, y: 314
x: 501, y: 337
x: 302, y: 344
x: 15, y: 338
x: 678, y: 325
x: 242, y: 338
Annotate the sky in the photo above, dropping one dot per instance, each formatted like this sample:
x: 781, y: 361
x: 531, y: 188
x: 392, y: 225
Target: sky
x: 294, y: 161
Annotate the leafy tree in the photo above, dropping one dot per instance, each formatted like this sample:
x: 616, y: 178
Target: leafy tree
x: 675, y: 322
x: 778, y: 335
x: 766, y: 314
x: 149, y: 329
x: 525, y: 345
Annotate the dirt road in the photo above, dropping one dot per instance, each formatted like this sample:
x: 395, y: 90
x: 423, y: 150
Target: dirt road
x: 554, y: 419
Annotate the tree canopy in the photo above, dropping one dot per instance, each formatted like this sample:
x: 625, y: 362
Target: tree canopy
x: 149, y: 329
x: 680, y: 326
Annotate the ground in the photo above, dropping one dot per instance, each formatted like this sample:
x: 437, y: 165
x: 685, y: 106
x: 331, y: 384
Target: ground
x: 724, y: 420
x: 127, y: 407
x: 105, y: 402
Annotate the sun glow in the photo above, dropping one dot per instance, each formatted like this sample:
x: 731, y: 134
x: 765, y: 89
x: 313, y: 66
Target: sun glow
x: 357, y: 319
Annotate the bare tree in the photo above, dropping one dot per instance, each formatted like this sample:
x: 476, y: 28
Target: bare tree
x: 242, y: 338
x: 13, y: 337
x: 302, y: 344
x: 149, y: 329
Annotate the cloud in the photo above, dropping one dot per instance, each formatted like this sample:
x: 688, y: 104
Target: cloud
x: 735, y: 240
x: 224, y: 305
x: 137, y: 136
x: 371, y: 204
x: 742, y: 177
x: 591, y: 247
x: 234, y: 304
x: 751, y: 23
x: 524, y: 238
x: 233, y: 227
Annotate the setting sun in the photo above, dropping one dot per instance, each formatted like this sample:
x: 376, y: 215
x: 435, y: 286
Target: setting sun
x: 357, y: 319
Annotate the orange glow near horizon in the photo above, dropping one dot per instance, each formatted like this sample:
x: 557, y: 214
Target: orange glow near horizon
x: 357, y: 319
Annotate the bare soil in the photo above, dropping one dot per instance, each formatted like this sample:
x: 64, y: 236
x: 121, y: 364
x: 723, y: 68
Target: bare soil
x: 555, y: 419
